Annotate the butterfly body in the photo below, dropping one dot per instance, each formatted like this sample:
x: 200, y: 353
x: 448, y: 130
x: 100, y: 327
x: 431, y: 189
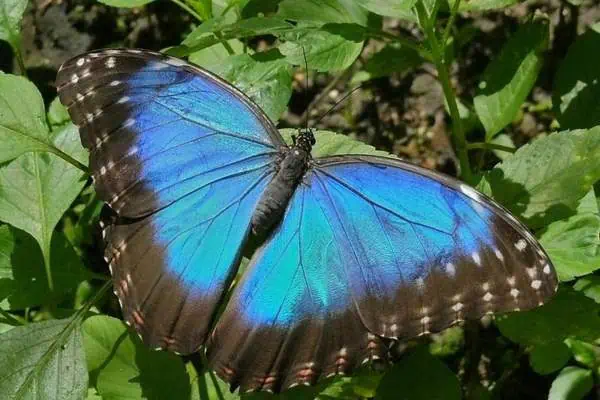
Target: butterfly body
x: 358, y: 250
x: 290, y: 170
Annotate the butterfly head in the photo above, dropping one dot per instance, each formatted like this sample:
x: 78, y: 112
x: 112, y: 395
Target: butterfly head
x: 305, y: 140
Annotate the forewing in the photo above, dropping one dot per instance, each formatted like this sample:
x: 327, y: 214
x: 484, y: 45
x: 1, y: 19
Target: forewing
x: 181, y: 157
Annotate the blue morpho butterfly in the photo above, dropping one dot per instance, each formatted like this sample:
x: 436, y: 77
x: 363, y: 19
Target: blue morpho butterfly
x: 358, y: 250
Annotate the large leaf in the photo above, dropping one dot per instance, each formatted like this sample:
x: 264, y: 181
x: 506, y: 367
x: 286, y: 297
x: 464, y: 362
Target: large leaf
x: 43, y: 360
x: 22, y: 118
x: 590, y: 286
x: 576, y: 89
x: 574, y: 245
x: 419, y: 376
x: 265, y: 77
x: 23, y: 281
x: 573, y: 383
x: 328, y: 47
x: 330, y: 33
x: 331, y: 143
x: 570, y: 314
x: 122, y: 367
x: 394, y: 9
x: 545, y: 179
x: 37, y: 188
x: 510, y: 77
x: 11, y: 13
x: 482, y: 5
x: 391, y: 59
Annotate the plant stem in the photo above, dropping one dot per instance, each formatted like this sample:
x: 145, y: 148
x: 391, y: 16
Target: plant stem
x: 450, y: 23
x: 437, y: 54
x: 13, y: 318
x: 20, y: 61
x: 490, y: 146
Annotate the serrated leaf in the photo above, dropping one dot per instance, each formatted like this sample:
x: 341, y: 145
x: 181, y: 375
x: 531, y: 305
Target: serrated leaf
x: 330, y: 33
x: 264, y: 77
x: 590, y: 286
x: 329, y: 47
x: 545, y: 179
x: 510, y: 77
x: 22, y: 118
x: 573, y: 383
x: 11, y: 13
x: 37, y: 188
x: 23, y: 281
x: 577, y: 84
x: 549, y: 357
x: 122, y: 367
x: 43, y: 360
x: 419, y: 376
x: 125, y: 3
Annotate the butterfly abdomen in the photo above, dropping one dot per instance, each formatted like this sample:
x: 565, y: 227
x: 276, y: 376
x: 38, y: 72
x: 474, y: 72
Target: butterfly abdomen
x: 276, y: 197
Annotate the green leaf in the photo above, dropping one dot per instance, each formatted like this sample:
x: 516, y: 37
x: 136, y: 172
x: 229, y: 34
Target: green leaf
x: 482, y: 5
x: 574, y: 245
x: 122, y: 367
x: 419, y: 376
x: 590, y: 286
x: 37, y: 188
x: 58, y: 116
x: 448, y: 342
x: 22, y: 118
x: 264, y: 77
x: 328, y: 47
x: 237, y: 30
x: 216, y: 57
x: 43, y: 360
x: 323, y: 11
x: 585, y: 353
x: 331, y: 33
x: 394, y: 9
x: 331, y: 143
x: 11, y: 13
x: 23, y: 281
x: 549, y: 357
x: 545, y: 179
x: 568, y: 315
x: 577, y: 84
x: 573, y: 383
x: 391, y: 59
x: 509, y: 78
x: 125, y: 3
x: 208, y: 386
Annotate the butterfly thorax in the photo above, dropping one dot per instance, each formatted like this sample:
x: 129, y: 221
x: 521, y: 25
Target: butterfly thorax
x: 291, y: 169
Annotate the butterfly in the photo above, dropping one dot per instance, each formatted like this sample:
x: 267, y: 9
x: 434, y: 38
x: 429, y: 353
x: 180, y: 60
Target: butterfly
x: 358, y: 250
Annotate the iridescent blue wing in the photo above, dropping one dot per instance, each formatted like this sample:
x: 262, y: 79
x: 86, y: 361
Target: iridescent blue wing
x: 372, y: 248
x: 181, y: 157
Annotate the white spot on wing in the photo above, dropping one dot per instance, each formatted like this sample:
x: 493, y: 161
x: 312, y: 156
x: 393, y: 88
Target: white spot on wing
x: 536, y: 284
x: 547, y: 269
x: 514, y: 293
x: 499, y: 255
x: 80, y: 62
x: 488, y: 297
x: 74, y: 78
x: 123, y: 99
x: 521, y: 245
x: 110, y: 62
x: 450, y: 269
x: 115, y: 83
x: 476, y: 258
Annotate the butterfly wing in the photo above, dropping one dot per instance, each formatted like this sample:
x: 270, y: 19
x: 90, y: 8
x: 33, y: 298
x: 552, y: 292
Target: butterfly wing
x: 372, y: 247
x: 182, y: 158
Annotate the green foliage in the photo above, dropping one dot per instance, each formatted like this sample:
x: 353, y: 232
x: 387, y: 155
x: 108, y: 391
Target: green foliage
x: 44, y: 360
x: 48, y: 216
x: 508, y: 79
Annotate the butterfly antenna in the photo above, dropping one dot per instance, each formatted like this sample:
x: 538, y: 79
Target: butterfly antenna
x: 306, y: 89
x: 338, y: 103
